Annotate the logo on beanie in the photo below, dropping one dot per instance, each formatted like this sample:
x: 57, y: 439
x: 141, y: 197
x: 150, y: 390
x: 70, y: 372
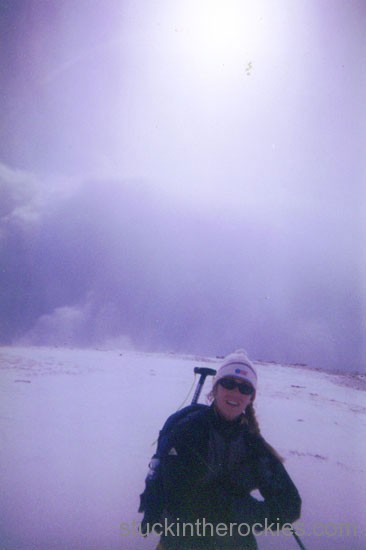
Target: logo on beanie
x: 239, y: 371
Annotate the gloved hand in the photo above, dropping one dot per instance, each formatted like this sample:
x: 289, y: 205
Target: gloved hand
x: 247, y: 509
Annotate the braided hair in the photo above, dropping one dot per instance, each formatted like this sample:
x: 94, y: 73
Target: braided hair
x: 250, y: 419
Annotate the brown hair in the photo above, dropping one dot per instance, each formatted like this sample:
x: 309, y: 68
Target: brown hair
x: 250, y: 419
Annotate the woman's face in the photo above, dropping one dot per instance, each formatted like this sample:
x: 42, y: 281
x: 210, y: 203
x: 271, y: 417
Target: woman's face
x: 231, y: 403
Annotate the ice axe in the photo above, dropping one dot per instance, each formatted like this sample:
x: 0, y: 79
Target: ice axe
x: 203, y: 371
x: 297, y: 538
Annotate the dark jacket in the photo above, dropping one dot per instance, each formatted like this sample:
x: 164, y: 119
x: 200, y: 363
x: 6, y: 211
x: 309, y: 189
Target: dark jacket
x: 205, y: 469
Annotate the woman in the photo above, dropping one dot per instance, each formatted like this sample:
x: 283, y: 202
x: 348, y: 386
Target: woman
x: 208, y: 462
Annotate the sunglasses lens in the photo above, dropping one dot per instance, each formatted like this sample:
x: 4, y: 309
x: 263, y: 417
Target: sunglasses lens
x: 230, y: 384
x: 227, y: 383
x: 245, y: 389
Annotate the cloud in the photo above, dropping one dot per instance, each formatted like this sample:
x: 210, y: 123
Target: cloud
x: 61, y: 327
x: 26, y: 198
x: 27, y: 201
x: 18, y: 190
x: 106, y: 261
x: 76, y: 326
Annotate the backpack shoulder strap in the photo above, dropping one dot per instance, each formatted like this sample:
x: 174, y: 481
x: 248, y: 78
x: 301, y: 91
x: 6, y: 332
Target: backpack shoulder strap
x: 177, y: 419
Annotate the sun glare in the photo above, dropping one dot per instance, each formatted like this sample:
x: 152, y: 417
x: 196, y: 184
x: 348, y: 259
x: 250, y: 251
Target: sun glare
x: 219, y: 33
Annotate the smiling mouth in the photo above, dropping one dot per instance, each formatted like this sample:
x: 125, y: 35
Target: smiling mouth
x: 232, y: 403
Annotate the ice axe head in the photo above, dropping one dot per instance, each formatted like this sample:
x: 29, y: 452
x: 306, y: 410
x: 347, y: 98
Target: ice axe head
x: 203, y: 372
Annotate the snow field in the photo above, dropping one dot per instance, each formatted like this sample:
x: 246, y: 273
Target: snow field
x: 76, y: 434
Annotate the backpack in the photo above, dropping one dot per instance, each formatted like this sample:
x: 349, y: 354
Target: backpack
x: 152, y: 502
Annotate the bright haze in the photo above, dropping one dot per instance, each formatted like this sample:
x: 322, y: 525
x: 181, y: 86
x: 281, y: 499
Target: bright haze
x: 185, y: 176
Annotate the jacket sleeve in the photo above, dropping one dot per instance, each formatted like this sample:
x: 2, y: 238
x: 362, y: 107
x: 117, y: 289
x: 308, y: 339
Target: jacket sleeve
x: 162, y: 470
x: 152, y: 499
x: 282, y: 502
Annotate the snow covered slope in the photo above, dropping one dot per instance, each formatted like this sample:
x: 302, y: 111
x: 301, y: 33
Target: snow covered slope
x: 76, y: 435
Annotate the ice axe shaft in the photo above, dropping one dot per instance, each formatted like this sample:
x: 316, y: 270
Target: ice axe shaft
x: 203, y: 371
x: 297, y: 538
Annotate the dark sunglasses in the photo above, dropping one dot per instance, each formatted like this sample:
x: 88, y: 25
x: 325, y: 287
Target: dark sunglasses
x: 230, y: 384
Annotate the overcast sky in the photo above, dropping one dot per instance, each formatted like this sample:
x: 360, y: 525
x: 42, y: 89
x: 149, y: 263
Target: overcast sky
x: 185, y: 175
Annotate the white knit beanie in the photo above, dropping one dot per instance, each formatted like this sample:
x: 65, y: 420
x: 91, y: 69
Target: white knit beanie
x: 237, y: 365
